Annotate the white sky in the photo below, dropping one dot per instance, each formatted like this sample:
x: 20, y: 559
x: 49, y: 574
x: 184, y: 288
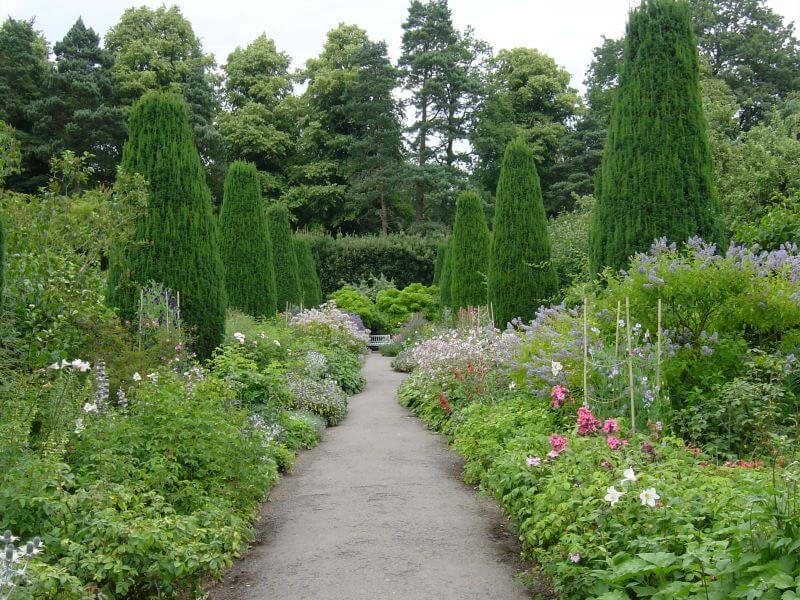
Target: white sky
x: 567, y: 30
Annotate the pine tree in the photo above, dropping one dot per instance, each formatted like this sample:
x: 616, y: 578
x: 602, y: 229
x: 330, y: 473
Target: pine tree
x: 289, y: 291
x: 175, y: 242
x: 445, y: 278
x: 245, y: 244
x: 469, y: 253
x: 656, y: 176
x: 521, y: 274
x: 309, y: 280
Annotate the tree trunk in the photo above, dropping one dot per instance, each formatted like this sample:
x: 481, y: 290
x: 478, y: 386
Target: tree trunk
x: 384, y: 215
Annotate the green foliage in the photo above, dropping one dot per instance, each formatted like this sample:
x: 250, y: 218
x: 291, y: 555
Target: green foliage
x: 521, y: 272
x: 309, y: 280
x: 402, y: 258
x: 353, y: 301
x: 175, y: 242
x: 399, y: 305
x: 441, y: 249
x: 446, y: 278
x: 656, y: 178
x: 245, y: 244
x: 468, y: 253
x: 569, y: 238
x: 777, y: 227
x: 287, y: 272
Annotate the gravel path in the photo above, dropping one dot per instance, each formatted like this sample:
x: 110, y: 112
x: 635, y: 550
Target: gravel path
x: 376, y: 511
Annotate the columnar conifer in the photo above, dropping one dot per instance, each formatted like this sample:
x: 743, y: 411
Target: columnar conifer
x: 309, y: 280
x: 656, y: 176
x: 445, y: 278
x: 287, y: 275
x: 437, y: 267
x: 175, y: 240
x: 245, y: 245
x: 469, y: 253
x: 521, y: 274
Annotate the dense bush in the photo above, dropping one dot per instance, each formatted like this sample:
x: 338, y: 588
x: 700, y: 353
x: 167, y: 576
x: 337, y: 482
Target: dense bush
x: 399, y: 305
x: 175, y: 241
x: 354, y: 301
x: 245, y: 244
x: 404, y: 259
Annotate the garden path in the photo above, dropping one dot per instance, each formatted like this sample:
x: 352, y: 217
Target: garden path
x: 376, y: 511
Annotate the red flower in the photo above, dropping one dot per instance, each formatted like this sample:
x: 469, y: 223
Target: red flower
x: 443, y: 403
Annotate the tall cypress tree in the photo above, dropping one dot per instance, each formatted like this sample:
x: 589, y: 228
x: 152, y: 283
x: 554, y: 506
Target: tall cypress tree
x: 521, y: 274
x: 469, y: 253
x: 445, y: 277
x: 437, y: 267
x: 245, y: 245
x: 656, y: 176
x: 175, y: 241
x: 289, y: 291
x: 309, y: 280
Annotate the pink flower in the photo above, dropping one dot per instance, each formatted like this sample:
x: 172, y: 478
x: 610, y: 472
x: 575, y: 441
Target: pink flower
x: 613, y: 442
x: 586, y: 422
x: 575, y: 557
x: 558, y: 445
x: 558, y: 395
x: 605, y: 464
x: 533, y: 461
x: 610, y: 426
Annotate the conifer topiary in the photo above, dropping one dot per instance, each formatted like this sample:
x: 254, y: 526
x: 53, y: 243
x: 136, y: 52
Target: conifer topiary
x: 441, y: 248
x: 289, y: 291
x: 309, y: 280
x: 445, y: 278
x: 522, y: 276
x: 245, y: 245
x: 656, y: 176
x: 175, y: 241
x: 469, y: 253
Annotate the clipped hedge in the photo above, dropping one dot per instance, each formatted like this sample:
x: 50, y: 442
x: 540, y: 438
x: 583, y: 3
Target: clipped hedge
x: 403, y: 258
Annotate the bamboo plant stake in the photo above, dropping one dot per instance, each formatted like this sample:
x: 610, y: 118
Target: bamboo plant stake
x: 658, y: 356
x: 585, y: 355
x: 630, y: 364
x: 141, y: 316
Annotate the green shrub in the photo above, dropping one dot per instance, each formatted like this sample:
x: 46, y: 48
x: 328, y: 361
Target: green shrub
x: 468, y: 253
x: 399, y: 305
x: 175, y: 242
x: 287, y: 272
x: 569, y: 239
x: 657, y: 175
x: 521, y: 273
x: 352, y: 301
x: 245, y: 244
x: 312, y: 290
x: 403, y: 258
x: 446, y: 279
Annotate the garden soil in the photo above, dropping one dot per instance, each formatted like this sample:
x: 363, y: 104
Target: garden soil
x: 377, y: 511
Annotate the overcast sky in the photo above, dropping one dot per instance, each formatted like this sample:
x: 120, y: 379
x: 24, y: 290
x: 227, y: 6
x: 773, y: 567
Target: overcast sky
x: 567, y: 30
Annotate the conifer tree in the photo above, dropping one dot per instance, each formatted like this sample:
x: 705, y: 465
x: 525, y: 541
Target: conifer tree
x: 521, y: 274
x: 289, y: 291
x: 245, y: 245
x: 309, y: 280
x: 656, y: 175
x: 445, y: 277
x: 469, y: 253
x: 175, y: 241
x: 437, y: 267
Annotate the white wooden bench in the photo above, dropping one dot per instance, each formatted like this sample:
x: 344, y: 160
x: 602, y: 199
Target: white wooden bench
x: 376, y: 341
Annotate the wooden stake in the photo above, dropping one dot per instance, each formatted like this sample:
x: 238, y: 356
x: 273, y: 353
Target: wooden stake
x: 141, y: 316
x: 585, y: 355
x: 658, y: 352
x: 616, y: 345
x: 630, y: 364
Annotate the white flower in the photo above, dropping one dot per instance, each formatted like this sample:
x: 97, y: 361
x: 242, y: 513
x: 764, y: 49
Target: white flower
x: 512, y: 385
x: 277, y: 343
x: 89, y: 407
x: 55, y: 366
x: 621, y: 323
x: 613, y: 495
x: 556, y: 368
x: 628, y: 475
x: 595, y: 331
x: 80, y: 365
x: 239, y: 337
x: 575, y: 557
x: 79, y: 426
x: 153, y: 377
x: 649, y: 497
x: 64, y: 363
x: 533, y: 461
x: 136, y: 376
